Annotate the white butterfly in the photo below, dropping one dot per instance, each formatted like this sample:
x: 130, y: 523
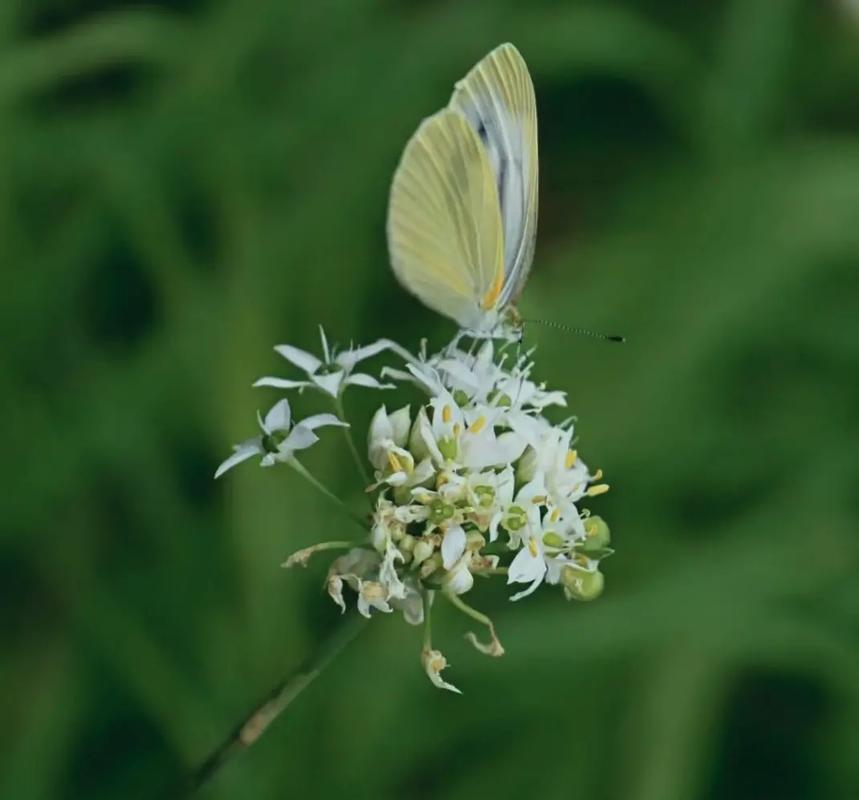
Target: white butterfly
x: 462, y: 217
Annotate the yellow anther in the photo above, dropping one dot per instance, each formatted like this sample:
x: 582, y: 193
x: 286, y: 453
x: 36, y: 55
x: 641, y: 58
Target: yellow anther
x: 457, y: 429
x: 572, y: 455
x: 539, y: 499
x: 394, y: 462
x: 597, y: 475
x: 600, y: 488
x: 532, y: 547
x: 478, y: 425
x: 447, y: 414
x: 441, y: 480
x: 555, y: 515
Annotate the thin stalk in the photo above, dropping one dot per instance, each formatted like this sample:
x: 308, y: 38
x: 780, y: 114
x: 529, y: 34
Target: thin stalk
x: 317, y: 484
x: 428, y: 598
x: 255, y: 724
x: 350, y: 441
x: 493, y: 647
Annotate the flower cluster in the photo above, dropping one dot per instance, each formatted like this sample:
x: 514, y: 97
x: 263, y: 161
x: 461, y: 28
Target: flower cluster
x: 477, y: 481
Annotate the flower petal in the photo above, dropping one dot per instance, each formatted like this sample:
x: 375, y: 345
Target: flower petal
x: 453, y: 545
x: 281, y: 383
x: 320, y: 420
x: 300, y: 438
x: 278, y: 417
x: 300, y: 358
x: 330, y: 383
x: 368, y: 381
x: 242, y: 452
x: 526, y: 567
x: 349, y: 358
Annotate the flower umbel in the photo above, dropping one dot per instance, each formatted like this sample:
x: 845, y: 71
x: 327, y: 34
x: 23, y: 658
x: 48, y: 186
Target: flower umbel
x: 475, y: 482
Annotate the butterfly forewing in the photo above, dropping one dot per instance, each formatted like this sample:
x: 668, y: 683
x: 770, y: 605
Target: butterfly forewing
x: 444, y: 220
x: 497, y: 98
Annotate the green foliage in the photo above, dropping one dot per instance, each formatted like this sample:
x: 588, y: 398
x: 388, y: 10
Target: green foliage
x: 180, y: 189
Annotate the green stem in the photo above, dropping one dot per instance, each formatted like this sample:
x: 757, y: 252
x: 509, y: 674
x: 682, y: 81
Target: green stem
x: 350, y: 441
x: 255, y: 724
x: 317, y: 484
x: 428, y: 598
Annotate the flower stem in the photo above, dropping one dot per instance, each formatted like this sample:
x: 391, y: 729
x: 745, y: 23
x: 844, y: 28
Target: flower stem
x: 350, y: 441
x: 254, y: 725
x: 493, y: 647
x: 317, y: 484
x: 428, y: 598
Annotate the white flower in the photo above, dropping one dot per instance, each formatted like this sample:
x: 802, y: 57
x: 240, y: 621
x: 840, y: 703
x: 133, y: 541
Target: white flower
x: 458, y: 579
x: 279, y: 440
x: 434, y: 662
x: 331, y: 374
x: 386, y: 446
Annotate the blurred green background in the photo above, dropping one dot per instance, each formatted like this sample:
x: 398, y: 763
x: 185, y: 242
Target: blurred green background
x: 184, y: 185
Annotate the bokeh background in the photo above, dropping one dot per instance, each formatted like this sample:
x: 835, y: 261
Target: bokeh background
x: 184, y: 185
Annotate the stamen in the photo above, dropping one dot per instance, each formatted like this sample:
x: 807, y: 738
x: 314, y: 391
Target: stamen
x: 555, y: 515
x: 539, y: 499
x: 478, y: 425
x: 457, y: 429
x: 532, y: 548
x: 447, y: 414
x: 600, y: 488
x: 394, y: 462
x: 597, y: 475
x: 572, y: 455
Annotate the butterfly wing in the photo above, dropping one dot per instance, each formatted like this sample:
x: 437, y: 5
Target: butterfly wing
x: 444, y: 222
x: 497, y: 99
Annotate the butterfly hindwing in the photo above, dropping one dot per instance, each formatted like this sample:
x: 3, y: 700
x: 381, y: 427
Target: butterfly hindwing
x: 444, y: 220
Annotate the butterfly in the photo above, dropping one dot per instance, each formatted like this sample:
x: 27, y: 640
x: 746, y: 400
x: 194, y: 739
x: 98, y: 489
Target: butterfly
x: 462, y: 215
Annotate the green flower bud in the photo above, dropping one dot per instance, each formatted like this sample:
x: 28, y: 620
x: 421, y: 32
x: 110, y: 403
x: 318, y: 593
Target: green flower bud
x: 597, y: 535
x: 581, y: 585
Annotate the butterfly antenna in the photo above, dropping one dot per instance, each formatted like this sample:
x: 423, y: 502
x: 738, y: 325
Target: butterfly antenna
x: 581, y: 331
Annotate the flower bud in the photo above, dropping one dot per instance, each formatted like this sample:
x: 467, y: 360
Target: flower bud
x: 474, y: 541
x: 526, y: 467
x: 581, y: 585
x: 421, y: 551
x: 430, y: 565
x: 597, y: 535
x: 417, y: 445
x: 400, y: 422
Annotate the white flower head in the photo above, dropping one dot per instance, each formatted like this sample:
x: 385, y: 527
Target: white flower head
x: 280, y: 438
x: 333, y: 372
